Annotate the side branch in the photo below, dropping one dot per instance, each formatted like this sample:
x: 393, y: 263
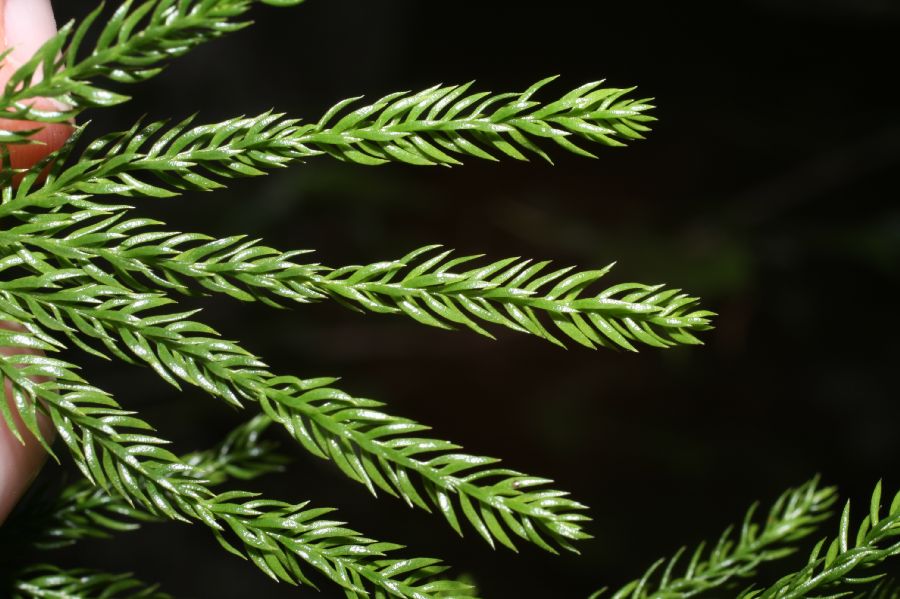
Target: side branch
x: 735, y: 557
x: 370, y: 446
x: 115, y: 451
x: 82, y: 510
x: 427, y: 285
x: 435, y: 126
x: 134, y: 45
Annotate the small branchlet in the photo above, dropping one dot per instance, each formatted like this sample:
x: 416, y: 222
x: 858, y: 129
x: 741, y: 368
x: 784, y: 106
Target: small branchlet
x: 732, y: 560
x: 45, y: 580
x: 846, y: 561
x: 134, y: 45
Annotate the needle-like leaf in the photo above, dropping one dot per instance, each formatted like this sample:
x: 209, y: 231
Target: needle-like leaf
x: 126, y: 460
x: 736, y: 556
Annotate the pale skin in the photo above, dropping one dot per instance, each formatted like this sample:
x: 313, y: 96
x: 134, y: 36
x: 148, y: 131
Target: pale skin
x: 24, y: 26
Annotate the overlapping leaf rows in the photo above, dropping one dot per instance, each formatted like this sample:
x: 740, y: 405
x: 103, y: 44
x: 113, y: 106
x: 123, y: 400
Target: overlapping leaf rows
x: 156, y: 160
x: 115, y: 450
x: 82, y: 510
x: 833, y: 569
x: 432, y: 288
x: 132, y: 46
x: 50, y: 581
x: 440, y: 124
x: 731, y: 561
x: 78, y: 269
x: 429, y: 286
x: 369, y: 445
x: 848, y: 559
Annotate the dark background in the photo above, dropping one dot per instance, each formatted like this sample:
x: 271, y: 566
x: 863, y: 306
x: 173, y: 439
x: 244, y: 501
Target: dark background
x: 768, y: 188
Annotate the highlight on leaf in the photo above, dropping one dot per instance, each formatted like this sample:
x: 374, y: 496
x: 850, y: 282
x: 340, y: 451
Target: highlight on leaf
x: 116, y: 451
x: 45, y: 580
x: 370, y: 446
x: 134, y: 44
x: 80, y: 271
x: 439, y: 125
x: 848, y: 559
x: 427, y: 285
x: 436, y: 126
x: 735, y: 557
x: 82, y: 510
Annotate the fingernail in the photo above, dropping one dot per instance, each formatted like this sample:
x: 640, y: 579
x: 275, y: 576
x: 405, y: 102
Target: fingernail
x: 26, y: 26
x: 19, y: 464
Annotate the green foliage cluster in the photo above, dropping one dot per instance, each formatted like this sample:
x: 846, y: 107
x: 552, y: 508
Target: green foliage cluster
x: 81, y: 271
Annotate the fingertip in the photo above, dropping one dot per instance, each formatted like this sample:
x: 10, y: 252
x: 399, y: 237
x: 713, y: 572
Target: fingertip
x: 25, y: 25
x: 20, y: 461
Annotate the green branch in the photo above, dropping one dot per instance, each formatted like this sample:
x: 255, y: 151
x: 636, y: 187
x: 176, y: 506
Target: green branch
x: 242, y: 455
x: 133, y: 46
x: 848, y: 559
x: 275, y: 535
x: 370, y: 446
x: 794, y: 516
x: 427, y: 128
x: 82, y: 510
x: 429, y: 287
x: 45, y: 581
x: 440, y: 124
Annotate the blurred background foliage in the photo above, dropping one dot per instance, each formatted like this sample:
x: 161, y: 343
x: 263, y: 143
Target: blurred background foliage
x: 768, y: 188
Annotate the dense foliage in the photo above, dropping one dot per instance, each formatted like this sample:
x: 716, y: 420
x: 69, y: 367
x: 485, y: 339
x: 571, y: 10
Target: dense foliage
x: 83, y: 271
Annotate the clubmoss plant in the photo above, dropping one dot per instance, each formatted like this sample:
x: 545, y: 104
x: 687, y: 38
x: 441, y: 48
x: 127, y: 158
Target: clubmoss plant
x: 82, y: 270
